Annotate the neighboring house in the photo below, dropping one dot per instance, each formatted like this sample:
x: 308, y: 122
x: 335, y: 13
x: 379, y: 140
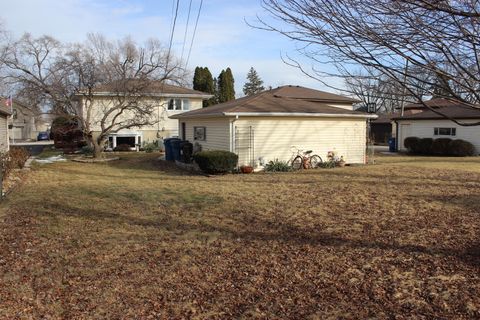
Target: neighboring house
x: 265, y: 126
x: 5, y: 114
x: 25, y: 124
x: 168, y: 99
x: 428, y: 124
x: 383, y: 128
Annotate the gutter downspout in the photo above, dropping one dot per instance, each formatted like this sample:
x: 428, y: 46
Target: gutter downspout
x: 232, y: 134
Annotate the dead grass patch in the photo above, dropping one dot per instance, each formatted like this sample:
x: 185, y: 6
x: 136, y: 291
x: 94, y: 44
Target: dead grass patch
x: 137, y: 238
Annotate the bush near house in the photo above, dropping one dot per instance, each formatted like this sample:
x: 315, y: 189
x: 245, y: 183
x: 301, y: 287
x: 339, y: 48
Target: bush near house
x: 278, y: 166
x: 440, y: 146
x: 15, y: 158
x: 425, y: 145
x: 461, y: 148
x: 216, y: 161
x: 411, y: 143
x: 122, y: 147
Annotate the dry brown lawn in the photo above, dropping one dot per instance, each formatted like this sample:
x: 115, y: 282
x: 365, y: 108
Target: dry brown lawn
x: 139, y: 239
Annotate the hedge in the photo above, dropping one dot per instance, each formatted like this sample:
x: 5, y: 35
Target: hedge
x: 425, y: 146
x: 461, y: 148
x: 440, y: 146
x: 411, y: 143
x: 216, y: 161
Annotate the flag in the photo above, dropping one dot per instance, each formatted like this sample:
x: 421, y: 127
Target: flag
x: 9, y: 102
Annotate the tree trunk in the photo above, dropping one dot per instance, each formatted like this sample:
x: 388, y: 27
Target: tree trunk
x: 97, y: 149
x: 97, y: 145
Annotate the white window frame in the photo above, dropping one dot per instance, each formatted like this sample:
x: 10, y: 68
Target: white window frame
x: 451, y: 131
x: 184, y: 104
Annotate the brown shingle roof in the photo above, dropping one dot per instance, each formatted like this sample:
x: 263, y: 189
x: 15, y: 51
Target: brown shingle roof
x: 153, y: 87
x: 433, y: 103
x: 297, y: 92
x: 278, y: 101
x: 451, y: 111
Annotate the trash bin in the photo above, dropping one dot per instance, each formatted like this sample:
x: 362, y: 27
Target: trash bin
x: 175, y: 148
x: 186, y: 151
x: 392, y: 145
x: 169, y: 153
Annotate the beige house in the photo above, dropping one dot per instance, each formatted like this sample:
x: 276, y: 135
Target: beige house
x: 167, y: 100
x: 4, y: 116
x: 428, y: 124
x: 267, y: 125
x: 25, y: 124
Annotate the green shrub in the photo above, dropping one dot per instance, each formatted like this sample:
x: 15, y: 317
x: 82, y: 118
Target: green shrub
x: 216, y: 161
x: 327, y: 164
x: 87, y: 150
x: 151, y: 147
x: 412, y: 144
x: 277, y: 166
x: 461, y: 148
x: 122, y: 147
x: 440, y: 146
x: 425, y: 146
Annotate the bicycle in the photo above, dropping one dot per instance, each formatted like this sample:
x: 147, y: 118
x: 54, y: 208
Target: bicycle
x: 303, y: 160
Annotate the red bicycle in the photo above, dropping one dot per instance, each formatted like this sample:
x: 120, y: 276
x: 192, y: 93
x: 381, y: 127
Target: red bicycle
x: 305, y: 160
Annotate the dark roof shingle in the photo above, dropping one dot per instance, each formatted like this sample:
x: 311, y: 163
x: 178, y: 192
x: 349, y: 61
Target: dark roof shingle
x: 152, y: 87
x: 452, y: 111
x: 281, y: 100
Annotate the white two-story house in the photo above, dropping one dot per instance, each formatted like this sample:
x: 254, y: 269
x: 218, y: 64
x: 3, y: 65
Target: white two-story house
x: 166, y: 99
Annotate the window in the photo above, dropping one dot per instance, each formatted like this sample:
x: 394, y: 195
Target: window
x: 178, y: 104
x: 199, y: 133
x: 186, y: 104
x: 445, y: 131
x: 170, y: 104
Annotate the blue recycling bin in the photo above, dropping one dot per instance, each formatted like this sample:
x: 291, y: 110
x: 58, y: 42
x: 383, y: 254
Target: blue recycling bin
x: 175, y: 145
x: 392, y: 145
x: 169, y: 152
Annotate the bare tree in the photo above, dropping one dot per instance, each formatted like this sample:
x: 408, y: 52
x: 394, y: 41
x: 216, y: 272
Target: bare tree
x: 104, y: 83
x: 438, y: 38
x: 128, y: 74
x: 380, y: 93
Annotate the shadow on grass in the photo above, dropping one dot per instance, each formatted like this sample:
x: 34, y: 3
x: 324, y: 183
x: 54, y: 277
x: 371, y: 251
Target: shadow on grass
x: 254, y: 229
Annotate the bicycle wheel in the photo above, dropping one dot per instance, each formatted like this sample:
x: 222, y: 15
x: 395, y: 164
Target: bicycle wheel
x: 297, y: 163
x: 315, y: 160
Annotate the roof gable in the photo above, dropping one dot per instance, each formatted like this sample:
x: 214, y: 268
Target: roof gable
x: 298, y: 92
x: 276, y: 101
x: 152, y: 87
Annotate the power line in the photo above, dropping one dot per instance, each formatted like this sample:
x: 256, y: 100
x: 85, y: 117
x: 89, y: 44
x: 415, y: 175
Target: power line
x: 194, y: 32
x: 186, y: 29
x: 173, y: 31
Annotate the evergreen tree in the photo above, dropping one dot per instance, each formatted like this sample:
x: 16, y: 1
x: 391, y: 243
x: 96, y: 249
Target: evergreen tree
x: 254, y: 84
x: 203, y: 81
x: 226, y: 88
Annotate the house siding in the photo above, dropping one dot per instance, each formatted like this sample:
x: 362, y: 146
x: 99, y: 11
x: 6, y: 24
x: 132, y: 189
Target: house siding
x: 425, y: 129
x: 3, y: 133
x: 217, y: 132
x: 274, y: 137
x: 165, y: 127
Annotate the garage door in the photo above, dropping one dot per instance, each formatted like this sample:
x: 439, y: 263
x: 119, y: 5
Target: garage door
x: 17, y: 133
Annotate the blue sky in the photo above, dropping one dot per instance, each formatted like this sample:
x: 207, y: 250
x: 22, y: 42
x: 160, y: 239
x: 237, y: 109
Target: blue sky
x: 223, y: 39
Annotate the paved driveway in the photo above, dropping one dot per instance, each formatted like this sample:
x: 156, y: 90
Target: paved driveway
x: 34, y: 147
